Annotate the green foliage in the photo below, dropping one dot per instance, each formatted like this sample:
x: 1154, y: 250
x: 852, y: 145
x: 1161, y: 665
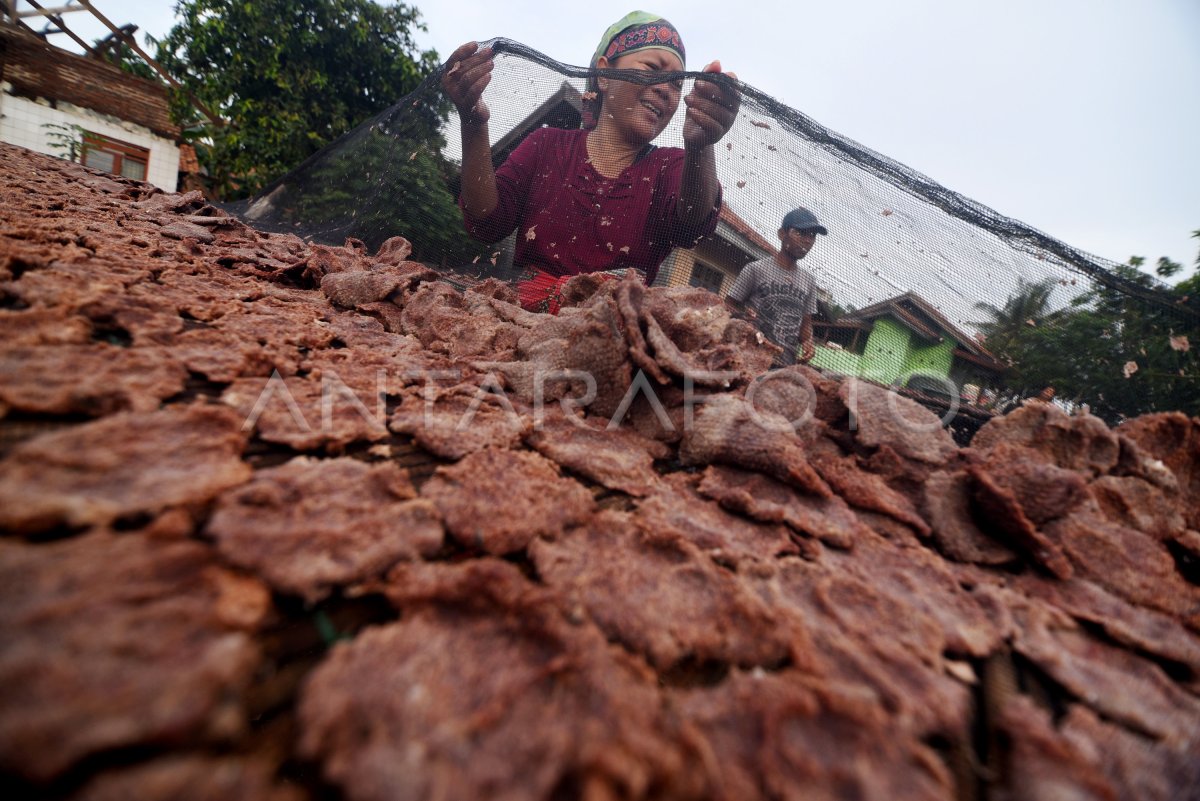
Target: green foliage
x: 1167, y: 268
x: 65, y: 140
x: 129, y: 61
x: 68, y: 140
x: 290, y: 76
x: 1026, y: 308
x: 387, y: 180
x: 1120, y: 355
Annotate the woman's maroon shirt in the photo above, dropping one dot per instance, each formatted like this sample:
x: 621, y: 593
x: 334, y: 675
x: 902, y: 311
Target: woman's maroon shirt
x: 571, y: 219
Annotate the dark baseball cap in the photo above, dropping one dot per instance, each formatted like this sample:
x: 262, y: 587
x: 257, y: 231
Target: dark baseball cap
x: 803, y: 220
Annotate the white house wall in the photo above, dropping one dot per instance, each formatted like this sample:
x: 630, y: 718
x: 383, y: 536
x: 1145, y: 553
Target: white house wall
x: 22, y: 123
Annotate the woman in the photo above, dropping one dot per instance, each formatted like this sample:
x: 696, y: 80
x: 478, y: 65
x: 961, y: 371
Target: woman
x: 601, y: 198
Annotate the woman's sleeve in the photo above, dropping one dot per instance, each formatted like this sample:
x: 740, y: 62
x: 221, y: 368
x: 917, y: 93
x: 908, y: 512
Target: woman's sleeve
x: 666, y: 203
x: 513, y: 181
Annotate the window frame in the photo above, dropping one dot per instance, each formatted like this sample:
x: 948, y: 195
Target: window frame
x: 120, y: 152
x: 697, y: 277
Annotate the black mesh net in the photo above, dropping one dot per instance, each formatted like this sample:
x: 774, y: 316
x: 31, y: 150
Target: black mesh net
x: 918, y: 287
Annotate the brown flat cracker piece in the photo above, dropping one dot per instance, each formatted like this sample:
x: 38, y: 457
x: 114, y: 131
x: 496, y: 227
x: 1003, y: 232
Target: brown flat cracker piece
x: 882, y: 417
x: 594, y: 346
x: 70, y: 286
x: 952, y: 521
x: 677, y: 507
x: 1043, y: 490
x: 1040, y: 764
x: 187, y: 777
x: 223, y: 357
x: 308, y: 413
x: 483, y: 690
x: 660, y: 595
x: 787, y: 735
x: 496, y: 289
x: 1083, y: 442
x: 918, y: 579
x: 864, y: 490
x: 1127, y: 563
x: 1002, y: 513
x: 1138, y: 767
x: 900, y: 674
x: 459, y: 420
x: 122, y: 465
x: 461, y: 327
x: 394, y: 250
x: 285, y: 328
x: 693, y: 335
x: 1139, y: 504
x: 323, y: 260
x: 628, y: 297
x: 798, y: 393
x: 352, y: 290
x: 1174, y: 439
x: 1137, y: 628
x: 147, y: 319
x: 205, y: 294
x: 728, y: 430
x: 763, y: 498
x: 311, y: 525
x: 118, y: 640
x: 368, y: 371
x: 499, y: 500
x: 1115, y: 682
x: 95, y: 379
x: 617, y: 458
x: 43, y: 326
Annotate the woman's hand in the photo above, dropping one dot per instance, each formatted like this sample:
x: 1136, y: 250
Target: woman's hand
x: 468, y: 72
x: 711, y: 110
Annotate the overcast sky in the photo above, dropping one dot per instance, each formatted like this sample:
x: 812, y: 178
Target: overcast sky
x: 1078, y: 117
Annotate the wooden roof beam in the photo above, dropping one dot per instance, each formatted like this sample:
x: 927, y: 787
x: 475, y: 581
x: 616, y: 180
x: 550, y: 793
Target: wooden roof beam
x: 216, y: 120
x: 53, y: 15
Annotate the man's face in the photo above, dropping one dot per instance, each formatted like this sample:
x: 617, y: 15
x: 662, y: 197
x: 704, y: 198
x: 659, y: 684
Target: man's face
x: 795, y: 243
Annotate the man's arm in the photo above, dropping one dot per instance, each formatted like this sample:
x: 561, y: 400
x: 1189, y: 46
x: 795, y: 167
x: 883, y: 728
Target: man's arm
x: 739, y: 309
x: 739, y: 293
x: 807, y: 349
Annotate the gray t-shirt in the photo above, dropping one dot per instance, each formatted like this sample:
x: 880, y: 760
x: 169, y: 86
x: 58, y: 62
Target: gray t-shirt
x: 779, y: 297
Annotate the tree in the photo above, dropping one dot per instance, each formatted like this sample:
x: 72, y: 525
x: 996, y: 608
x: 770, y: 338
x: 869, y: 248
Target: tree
x: 1189, y: 289
x: 388, y: 178
x: 1006, y: 325
x: 289, y: 76
x: 127, y: 60
x: 1118, y: 353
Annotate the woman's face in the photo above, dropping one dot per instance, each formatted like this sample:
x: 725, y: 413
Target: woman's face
x: 640, y: 113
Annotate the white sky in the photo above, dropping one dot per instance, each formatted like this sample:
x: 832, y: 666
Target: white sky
x: 1078, y: 117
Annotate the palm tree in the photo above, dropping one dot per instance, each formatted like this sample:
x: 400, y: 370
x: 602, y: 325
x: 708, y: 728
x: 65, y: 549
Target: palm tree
x: 1025, y: 308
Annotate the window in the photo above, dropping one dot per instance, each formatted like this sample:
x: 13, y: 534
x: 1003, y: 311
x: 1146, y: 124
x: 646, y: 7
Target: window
x: 115, y: 156
x: 850, y: 337
x: 706, y: 277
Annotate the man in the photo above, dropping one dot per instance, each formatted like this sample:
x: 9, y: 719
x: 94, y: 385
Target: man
x: 779, y: 295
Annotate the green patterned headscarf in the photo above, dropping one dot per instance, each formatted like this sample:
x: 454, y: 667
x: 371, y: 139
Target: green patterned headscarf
x: 637, y: 30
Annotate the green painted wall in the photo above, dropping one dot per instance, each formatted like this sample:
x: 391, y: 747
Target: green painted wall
x: 839, y: 361
x: 886, y: 352
x: 890, y: 354
x: 930, y: 360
